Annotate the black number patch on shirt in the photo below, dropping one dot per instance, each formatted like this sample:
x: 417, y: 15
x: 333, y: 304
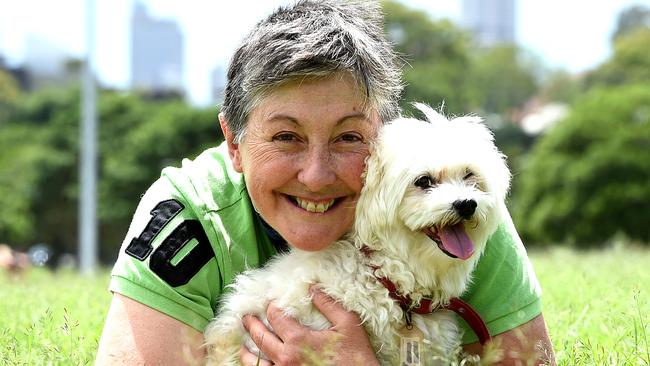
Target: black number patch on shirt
x: 161, y: 260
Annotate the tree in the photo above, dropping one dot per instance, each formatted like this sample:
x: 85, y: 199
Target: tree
x: 561, y: 86
x: 504, y: 78
x: 9, y: 94
x: 436, y: 55
x: 444, y: 65
x: 629, y: 64
x: 587, y: 179
x: 36, y: 160
x: 38, y: 166
x: 20, y: 169
x: 631, y: 19
x: 9, y: 90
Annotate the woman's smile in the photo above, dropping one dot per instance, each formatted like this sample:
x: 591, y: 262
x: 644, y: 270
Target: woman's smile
x: 320, y: 206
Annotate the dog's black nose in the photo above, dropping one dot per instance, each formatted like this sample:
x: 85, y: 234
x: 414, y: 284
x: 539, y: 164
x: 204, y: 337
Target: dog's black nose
x: 465, y: 208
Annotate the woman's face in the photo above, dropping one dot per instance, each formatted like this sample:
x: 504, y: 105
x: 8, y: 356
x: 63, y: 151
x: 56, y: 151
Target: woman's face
x: 302, y: 157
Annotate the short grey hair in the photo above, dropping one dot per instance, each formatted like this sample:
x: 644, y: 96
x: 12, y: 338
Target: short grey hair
x: 314, y: 39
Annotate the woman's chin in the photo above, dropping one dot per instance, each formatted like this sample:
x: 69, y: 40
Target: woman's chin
x: 312, y: 241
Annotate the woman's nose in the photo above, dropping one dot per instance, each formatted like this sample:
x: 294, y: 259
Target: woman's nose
x: 317, y: 171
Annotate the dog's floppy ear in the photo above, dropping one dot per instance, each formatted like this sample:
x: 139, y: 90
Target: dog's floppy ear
x: 380, y: 196
x: 369, y: 206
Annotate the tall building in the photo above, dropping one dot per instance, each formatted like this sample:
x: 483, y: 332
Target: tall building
x: 156, y: 53
x: 491, y: 21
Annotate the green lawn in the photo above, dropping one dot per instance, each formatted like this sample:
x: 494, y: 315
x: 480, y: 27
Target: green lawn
x: 596, y: 305
x: 51, y: 318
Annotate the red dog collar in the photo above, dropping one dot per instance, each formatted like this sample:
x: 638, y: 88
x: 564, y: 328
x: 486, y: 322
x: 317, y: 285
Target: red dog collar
x: 463, y: 309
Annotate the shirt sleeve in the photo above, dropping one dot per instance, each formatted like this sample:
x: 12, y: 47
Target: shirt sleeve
x: 166, y: 261
x: 505, y: 290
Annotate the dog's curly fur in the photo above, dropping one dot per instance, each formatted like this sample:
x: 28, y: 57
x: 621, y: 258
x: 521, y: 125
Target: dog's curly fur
x: 416, y: 175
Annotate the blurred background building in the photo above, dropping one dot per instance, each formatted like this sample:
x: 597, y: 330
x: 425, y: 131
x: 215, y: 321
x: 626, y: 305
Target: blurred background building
x: 156, y: 53
x: 491, y: 21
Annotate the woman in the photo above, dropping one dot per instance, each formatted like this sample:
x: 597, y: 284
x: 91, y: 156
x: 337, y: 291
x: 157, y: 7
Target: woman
x: 307, y: 91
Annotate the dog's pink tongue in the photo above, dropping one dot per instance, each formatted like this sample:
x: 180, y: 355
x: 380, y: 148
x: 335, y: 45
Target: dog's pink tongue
x: 455, y: 241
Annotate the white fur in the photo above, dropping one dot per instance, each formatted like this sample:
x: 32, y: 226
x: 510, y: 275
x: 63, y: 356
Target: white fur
x: 390, y: 215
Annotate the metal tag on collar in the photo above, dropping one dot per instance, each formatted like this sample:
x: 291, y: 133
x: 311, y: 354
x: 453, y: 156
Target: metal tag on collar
x: 412, y: 343
x: 408, y: 317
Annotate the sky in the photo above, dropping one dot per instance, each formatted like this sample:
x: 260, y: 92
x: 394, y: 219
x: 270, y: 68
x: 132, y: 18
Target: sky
x: 569, y: 34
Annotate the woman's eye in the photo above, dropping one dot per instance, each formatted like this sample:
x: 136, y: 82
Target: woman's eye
x: 285, y: 137
x: 350, y: 137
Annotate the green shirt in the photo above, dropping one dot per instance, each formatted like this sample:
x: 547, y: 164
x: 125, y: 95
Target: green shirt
x: 195, y: 230
x: 505, y: 291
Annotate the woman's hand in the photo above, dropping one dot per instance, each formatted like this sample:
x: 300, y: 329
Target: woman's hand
x: 345, y: 343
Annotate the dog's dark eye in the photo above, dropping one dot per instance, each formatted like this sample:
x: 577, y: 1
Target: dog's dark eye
x: 468, y: 175
x: 424, y: 182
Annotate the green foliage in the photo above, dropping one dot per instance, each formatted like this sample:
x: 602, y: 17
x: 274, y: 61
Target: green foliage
x: 9, y: 95
x: 9, y: 90
x: 39, y: 164
x: 586, y: 181
x: 437, y: 84
x: 436, y: 55
x: 504, y: 78
x: 20, y: 171
x: 629, y: 64
x: 514, y: 143
x: 418, y: 37
x: 560, y: 86
x: 443, y: 65
x: 33, y: 165
x: 630, y: 20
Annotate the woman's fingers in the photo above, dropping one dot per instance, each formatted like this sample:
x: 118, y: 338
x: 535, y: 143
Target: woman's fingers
x: 265, y: 339
x: 333, y: 311
x: 295, y: 338
x: 353, y: 343
x: 287, y: 328
x: 248, y: 358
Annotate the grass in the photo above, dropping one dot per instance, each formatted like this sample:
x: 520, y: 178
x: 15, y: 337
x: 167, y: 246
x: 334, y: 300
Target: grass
x: 596, y: 305
x: 51, y: 318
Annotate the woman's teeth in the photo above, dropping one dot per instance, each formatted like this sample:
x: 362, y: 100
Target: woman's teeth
x: 314, y: 206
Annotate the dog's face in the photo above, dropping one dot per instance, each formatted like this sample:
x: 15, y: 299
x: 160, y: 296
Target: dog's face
x: 439, y: 182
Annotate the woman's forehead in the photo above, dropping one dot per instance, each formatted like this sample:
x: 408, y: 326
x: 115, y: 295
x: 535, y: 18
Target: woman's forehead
x: 337, y: 96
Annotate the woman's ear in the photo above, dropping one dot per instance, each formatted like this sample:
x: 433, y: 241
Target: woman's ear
x: 233, y: 148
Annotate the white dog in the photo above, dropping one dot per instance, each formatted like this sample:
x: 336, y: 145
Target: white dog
x: 433, y: 194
